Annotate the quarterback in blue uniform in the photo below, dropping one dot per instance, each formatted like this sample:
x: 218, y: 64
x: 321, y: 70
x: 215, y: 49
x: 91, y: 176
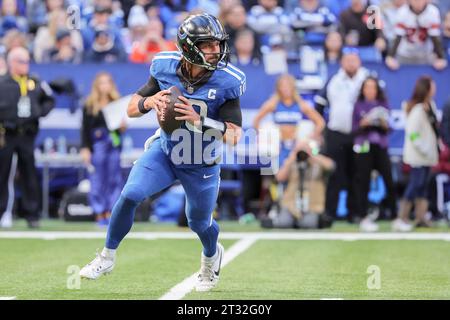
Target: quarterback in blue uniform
x: 211, y: 114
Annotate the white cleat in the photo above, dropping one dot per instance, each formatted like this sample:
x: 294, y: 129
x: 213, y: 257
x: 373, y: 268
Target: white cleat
x: 100, y: 265
x: 368, y: 225
x: 209, y: 271
x: 401, y: 226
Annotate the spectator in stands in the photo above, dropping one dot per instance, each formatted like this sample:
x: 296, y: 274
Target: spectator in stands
x: 63, y: 51
x: 14, y: 39
x: 138, y: 9
x: 116, y: 18
x: 100, y: 20
x: 143, y: 51
x: 243, y: 50
x: 38, y: 11
x: 226, y: 5
x: 10, y: 17
x: 46, y: 35
x: 312, y: 21
x: 389, y: 11
x: 354, y: 28
x: 288, y: 109
x: 370, y: 128
x: 302, y: 178
x: 105, y: 49
x: 339, y: 97
x: 446, y: 34
x: 100, y: 148
x: 137, y: 26
x: 417, y: 36
x: 267, y: 18
x: 337, y: 6
x: 173, y: 12
x: 333, y: 47
x: 235, y: 19
x: 152, y: 10
x: 420, y: 150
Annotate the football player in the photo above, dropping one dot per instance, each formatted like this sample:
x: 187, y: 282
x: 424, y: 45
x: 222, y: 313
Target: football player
x: 209, y: 109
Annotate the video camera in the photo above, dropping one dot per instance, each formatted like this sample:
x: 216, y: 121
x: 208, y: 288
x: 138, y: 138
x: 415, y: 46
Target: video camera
x: 302, y: 156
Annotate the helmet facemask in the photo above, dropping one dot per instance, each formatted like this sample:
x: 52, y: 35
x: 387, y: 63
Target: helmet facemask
x: 188, y: 43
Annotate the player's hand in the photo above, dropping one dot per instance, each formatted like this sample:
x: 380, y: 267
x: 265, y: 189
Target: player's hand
x: 188, y: 112
x: 232, y: 134
x: 440, y: 64
x: 392, y: 63
x: 158, y: 102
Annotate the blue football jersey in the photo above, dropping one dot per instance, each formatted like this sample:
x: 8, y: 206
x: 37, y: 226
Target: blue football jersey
x: 191, y: 146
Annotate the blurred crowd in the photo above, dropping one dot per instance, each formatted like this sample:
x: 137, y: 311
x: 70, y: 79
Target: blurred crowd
x: 75, y: 31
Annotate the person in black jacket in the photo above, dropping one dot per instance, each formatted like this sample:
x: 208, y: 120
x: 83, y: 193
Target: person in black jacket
x: 24, y: 99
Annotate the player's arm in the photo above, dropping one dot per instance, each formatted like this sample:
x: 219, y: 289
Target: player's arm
x: 149, y: 96
x: 230, y: 112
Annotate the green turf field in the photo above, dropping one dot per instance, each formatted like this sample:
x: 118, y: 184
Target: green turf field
x: 268, y: 269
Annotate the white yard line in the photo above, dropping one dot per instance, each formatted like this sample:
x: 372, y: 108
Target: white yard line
x: 187, y: 285
x: 7, y: 298
x: 53, y: 235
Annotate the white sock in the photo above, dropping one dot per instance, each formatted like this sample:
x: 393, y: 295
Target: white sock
x: 214, y: 256
x: 109, y: 253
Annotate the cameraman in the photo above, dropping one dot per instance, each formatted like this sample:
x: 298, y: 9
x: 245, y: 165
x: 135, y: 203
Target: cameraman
x: 302, y: 177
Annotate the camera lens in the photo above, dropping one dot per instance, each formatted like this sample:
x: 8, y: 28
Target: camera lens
x: 302, y: 156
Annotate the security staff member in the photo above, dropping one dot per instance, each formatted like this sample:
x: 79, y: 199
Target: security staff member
x: 23, y: 99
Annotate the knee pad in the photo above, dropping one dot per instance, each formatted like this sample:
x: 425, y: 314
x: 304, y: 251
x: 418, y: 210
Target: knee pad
x: 133, y: 192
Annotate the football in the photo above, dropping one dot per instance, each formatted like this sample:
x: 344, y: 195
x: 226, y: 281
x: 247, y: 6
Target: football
x: 168, y: 123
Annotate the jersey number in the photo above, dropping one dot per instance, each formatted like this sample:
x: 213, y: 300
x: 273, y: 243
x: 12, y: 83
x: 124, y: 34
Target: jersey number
x: 203, y: 112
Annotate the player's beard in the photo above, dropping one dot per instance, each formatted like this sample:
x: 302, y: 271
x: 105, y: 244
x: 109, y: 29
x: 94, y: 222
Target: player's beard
x: 213, y: 58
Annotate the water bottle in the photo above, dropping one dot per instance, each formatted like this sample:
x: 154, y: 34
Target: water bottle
x: 48, y: 145
x: 62, y: 145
